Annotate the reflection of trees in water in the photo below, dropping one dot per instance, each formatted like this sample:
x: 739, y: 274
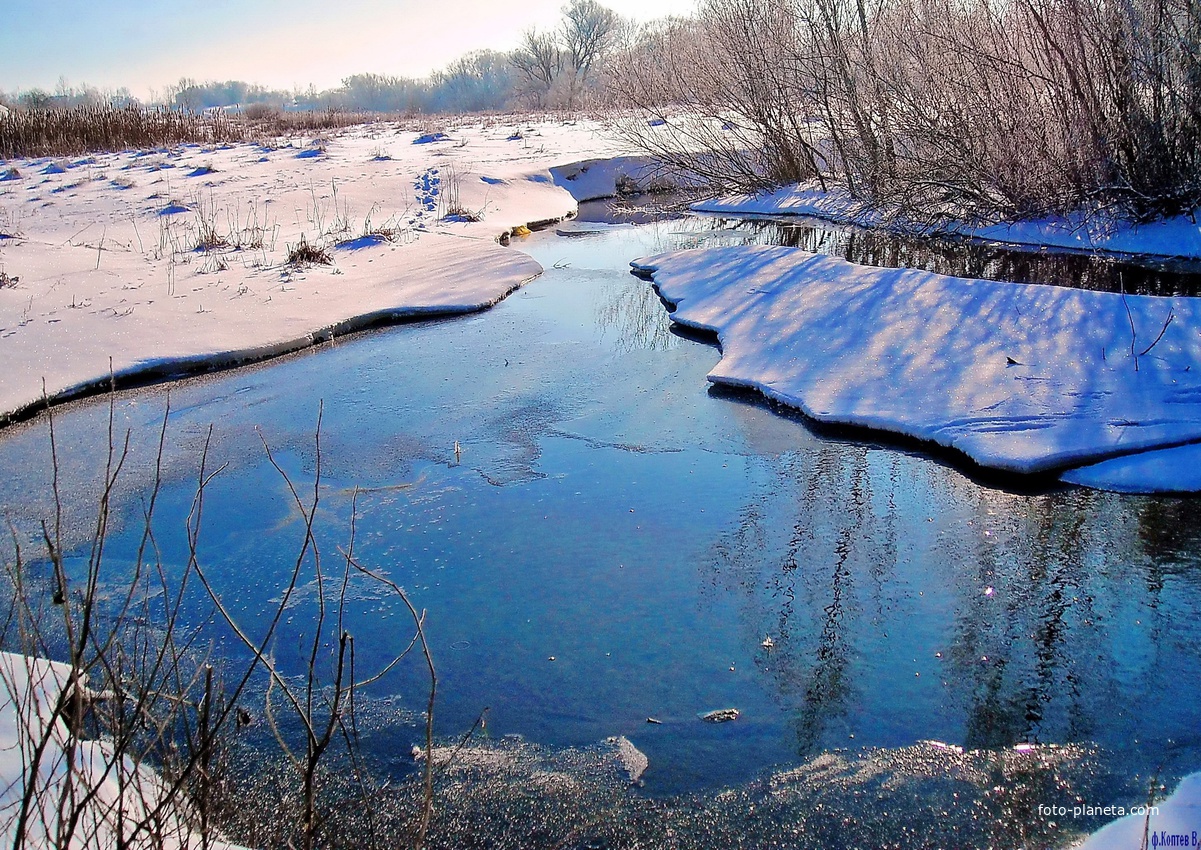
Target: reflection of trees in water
x: 1044, y: 658
x: 1170, y: 533
x: 1048, y: 610
x: 812, y: 577
x: 636, y: 316
x: 827, y: 690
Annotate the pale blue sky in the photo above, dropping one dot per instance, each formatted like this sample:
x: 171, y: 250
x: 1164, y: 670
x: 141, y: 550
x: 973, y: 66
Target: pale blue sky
x: 145, y: 45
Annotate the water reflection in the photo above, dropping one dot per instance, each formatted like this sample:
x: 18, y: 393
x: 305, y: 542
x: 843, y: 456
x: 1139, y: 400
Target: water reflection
x: 634, y: 317
x: 972, y: 259
x: 998, y: 619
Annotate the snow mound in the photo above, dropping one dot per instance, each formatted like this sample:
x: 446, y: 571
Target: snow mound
x: 107, y: 793
x: 592, y: 179
x: 1177, y: 237
x: 1018, y: 377
x: 430, y: 138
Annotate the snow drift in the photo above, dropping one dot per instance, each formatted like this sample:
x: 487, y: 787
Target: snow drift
x: 1018, y: 377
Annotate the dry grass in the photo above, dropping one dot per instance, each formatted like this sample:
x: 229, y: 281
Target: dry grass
x: 89, y: 129
x: 67, y: 132
x: 305, y: 253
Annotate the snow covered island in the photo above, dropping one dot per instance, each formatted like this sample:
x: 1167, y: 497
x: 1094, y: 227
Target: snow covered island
x: 1101, y: 388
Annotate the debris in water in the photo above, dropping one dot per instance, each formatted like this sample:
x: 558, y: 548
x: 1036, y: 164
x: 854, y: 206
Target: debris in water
x: 633, y: 759
x: 939, y: 745
x: 722, y: 715
x: 768, y: 643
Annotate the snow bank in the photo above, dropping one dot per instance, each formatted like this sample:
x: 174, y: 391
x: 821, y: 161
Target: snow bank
x: 252, y: 317
x: 1018, y: 377
x: 1174, y: 470
x: 1177, y: 824
x: 593, y: 179
x: 1176, y: 238
x: 29, y: 690
x: 176, y: 260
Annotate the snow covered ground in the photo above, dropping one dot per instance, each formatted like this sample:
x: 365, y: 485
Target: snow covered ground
x: 1174, y: 238
x: 1022, y: 378
x: 1177, y: 823
x: 176, y: 259
x: 111, y: 799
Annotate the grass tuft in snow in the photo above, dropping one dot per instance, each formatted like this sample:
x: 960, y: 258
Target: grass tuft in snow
x: 305, y: 253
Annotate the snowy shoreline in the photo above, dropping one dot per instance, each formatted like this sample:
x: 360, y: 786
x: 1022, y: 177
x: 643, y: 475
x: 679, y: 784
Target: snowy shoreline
x: 1020, y: 378
x: 1172, y: 239
x: 503, y: 279
x: 111, y: 798
x: 173, y: 262
x: 125, y: 793
x: 1175, y: 823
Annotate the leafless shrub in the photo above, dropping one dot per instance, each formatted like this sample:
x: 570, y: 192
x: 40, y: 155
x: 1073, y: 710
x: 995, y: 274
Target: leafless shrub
x: 932, y: 108
x: 261, y: 112
x: 126, y: 739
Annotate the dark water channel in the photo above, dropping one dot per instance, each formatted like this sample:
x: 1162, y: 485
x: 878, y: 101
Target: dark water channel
x: 609, y: 510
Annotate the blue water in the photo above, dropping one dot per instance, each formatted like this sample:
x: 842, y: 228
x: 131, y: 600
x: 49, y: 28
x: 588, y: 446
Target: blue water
x: 612, y: 511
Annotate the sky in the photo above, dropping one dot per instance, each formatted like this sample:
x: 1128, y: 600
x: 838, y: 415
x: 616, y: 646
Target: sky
x: 146, y: 45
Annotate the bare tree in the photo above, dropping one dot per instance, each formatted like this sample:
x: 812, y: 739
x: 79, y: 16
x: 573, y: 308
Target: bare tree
x: 540, y: 60
x: 588, y: 29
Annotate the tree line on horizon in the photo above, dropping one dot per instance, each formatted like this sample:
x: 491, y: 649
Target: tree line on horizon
x: 563, y: 67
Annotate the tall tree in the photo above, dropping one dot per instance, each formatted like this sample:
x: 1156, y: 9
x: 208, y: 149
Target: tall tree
x: 539, y: 59
x: 587, y: 30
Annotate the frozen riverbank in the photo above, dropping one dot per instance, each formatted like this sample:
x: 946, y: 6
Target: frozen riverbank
x: 1025, y: 379
x: 1176, y: 822
x: 171, y: 261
